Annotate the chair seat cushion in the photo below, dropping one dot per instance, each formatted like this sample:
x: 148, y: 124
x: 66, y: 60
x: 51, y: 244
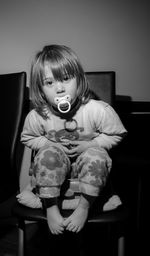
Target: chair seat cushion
x: 23, y: 212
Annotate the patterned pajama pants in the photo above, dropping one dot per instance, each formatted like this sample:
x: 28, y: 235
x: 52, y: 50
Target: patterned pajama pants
x: 52, y: 166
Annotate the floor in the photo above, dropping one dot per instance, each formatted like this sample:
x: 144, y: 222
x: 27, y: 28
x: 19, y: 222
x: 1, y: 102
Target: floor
x: 41, y: 243
x: 35, y: 238
x: 8, y: 240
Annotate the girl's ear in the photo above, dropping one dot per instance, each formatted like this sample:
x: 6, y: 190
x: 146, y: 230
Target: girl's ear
x: 42, y: 93
x: 79, y: 89
x: 79, y: 93
x: 43, y: 96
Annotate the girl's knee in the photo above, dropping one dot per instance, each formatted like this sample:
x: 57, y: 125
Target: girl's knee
x: 96, y: 167
x: 50, y: 148
x: 52, y: 154
x: 50, y: 167
x: 51, y: 159
x: 98, y: 155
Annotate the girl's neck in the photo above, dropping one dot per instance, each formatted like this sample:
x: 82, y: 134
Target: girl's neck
x: 68, y: 116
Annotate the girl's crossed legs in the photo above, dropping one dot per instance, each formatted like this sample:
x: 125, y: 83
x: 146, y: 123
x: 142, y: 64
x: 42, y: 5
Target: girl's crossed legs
x: 51, y: 166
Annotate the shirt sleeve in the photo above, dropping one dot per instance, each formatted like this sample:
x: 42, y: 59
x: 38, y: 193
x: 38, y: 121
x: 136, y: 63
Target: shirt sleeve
x: 33, y: 134
x: 110, y: 128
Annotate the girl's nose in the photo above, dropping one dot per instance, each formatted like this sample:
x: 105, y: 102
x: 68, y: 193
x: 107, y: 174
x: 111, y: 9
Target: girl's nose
x: 60, y: 87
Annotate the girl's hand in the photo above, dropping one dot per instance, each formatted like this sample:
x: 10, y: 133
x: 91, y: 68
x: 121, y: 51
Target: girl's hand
x: 75, y: 148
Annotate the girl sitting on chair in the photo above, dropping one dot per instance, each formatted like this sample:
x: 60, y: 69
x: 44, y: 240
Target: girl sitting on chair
x: 67, y: 128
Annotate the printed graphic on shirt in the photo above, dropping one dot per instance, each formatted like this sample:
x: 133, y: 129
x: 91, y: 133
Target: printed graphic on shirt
x: 63, y: 135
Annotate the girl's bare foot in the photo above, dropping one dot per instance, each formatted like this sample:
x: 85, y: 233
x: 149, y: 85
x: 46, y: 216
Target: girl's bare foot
x: 77, y: 219
x: 55, y: 220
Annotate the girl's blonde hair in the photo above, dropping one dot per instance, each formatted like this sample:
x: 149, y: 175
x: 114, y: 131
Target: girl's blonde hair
x: 62, y: 61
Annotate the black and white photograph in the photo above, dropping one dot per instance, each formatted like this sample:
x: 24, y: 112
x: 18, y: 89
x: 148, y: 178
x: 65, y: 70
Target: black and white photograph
x: 75, y: 127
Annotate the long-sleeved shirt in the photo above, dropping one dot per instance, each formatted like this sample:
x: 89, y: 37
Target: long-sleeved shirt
x: 95, y: 120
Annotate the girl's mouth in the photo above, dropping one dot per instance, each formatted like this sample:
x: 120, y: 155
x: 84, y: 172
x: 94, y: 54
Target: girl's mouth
x: 63, y: 103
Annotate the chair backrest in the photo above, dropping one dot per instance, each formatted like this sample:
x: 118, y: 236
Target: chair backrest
x: 13, y: 98
x: 102, y: 83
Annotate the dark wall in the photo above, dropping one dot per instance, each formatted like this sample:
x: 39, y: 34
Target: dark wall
x: 132, y: 165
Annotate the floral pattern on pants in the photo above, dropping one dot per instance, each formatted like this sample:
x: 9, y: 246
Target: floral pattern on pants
x: 51, y: 166
x: 95, y: 167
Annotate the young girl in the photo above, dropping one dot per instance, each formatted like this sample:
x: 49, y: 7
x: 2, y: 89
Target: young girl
x: 71, y: 134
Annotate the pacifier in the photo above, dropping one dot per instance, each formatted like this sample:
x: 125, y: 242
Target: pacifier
x: 63, y: 103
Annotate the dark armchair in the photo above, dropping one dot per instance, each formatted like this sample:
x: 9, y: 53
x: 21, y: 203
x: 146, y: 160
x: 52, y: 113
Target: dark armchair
x: 13, y: 95
x: 103, y: 85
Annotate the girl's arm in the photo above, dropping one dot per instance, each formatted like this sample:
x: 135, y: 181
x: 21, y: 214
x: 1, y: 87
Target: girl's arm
x: 110, y: 127
x: 33, y: 134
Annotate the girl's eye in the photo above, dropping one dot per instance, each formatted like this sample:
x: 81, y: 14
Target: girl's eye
x: 49, y: 83
x: 66, y: 78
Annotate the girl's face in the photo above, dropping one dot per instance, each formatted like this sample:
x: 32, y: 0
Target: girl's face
x: 53, y: 88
